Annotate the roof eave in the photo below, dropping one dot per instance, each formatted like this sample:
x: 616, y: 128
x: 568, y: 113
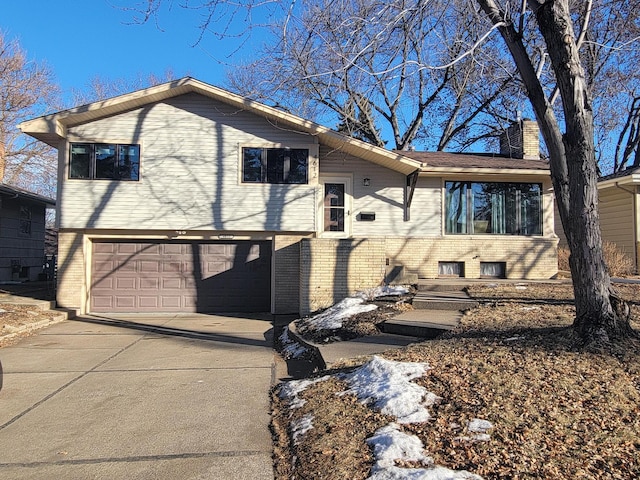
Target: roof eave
x: 633, y: 179
x: 20, y: 193
x: 427, y: 171
x: 52, y: 128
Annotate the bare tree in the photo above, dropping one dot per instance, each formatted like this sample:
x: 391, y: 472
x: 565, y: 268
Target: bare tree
x: 101, y: 88
x: 26, y: 90
x: 600, y: 313
x: 534, y: 31
x: 391, y: 72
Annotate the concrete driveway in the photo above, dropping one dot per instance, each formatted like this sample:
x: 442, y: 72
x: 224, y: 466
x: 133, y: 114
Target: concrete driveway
x: 139, y: 397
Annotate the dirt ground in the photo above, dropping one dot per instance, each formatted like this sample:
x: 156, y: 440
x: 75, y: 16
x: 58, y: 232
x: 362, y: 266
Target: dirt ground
x: 20, y: 321
x: 557, y: 412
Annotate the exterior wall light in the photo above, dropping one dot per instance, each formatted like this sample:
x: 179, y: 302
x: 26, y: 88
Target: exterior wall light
x: 366, y: 182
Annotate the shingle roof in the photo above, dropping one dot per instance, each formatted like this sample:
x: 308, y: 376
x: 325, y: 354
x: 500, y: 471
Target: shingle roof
x: 474, y: 160
x: 21, y: 192
x: 624, y: 173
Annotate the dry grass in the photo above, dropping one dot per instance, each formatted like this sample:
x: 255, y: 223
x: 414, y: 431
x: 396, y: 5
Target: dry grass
x: 558, y: 413
x: 619, y: 263
x: 17, y: 321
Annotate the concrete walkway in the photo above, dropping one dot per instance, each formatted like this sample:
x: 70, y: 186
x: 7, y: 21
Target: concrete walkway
x: 139, y: 397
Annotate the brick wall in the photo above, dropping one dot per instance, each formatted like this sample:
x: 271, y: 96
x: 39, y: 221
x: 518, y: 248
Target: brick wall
x: 70, y: 269
x: 286, y: 274
x: 521, y: 140
x: 331, y: 270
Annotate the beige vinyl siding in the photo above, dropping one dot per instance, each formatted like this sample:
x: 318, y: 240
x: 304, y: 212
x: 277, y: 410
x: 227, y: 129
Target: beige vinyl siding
x: 190, y: 174
x: 616, y: 218
x: 385, y: 197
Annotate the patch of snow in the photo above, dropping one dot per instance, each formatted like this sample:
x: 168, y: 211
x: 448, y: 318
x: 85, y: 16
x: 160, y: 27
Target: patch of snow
x: 301, y: 426
x: 477, y: 425
x: 332, y: 317
x: 529, y: 309
x: 291, y: 348
x: 386, y: 384
x: 521, y: 286
x: 291, y: 390
x: 390, y: 444
x: 383, y: 291
x: 479, y: 429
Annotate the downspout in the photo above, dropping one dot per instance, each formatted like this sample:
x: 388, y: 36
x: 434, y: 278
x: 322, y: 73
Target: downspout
x: 636, y: 223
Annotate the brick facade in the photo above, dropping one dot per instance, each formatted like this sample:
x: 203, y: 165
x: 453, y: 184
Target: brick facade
x: 331, y: 270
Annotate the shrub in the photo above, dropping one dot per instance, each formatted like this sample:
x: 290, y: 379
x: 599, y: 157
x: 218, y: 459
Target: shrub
x: 618, y: 262
x: 563, y: 259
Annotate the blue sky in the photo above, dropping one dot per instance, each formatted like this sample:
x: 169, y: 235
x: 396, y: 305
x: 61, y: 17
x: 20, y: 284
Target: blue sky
x: 82, y: 39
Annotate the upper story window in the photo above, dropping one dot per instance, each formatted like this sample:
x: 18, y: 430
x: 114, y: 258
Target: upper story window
x: 493, y: 208
x: 275, y: 165
x: 104, y: 161
x: 25, y: 221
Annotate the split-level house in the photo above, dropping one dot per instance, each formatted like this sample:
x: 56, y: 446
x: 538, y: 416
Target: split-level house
x: 22, y: 233
x: 186, y: 197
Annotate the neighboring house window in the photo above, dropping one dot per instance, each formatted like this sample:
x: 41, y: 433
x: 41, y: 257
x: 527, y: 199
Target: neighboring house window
x: 493, y: 208
x: 104, y: 161
x: 25, y: 221
x: 275, y: 165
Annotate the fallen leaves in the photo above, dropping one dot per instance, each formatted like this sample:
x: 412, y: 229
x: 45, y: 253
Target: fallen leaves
x: 556, y: 413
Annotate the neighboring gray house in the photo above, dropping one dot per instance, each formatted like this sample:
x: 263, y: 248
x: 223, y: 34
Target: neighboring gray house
x: 22, y: 232
x: 186, y: 197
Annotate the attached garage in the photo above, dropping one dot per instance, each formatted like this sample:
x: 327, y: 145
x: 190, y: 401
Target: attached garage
x: 180, y: 276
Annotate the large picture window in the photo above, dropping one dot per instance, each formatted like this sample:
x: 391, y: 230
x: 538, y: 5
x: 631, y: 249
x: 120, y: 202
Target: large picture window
x: 104, y: 161
x: 493, y: 208
x: 275, y: 165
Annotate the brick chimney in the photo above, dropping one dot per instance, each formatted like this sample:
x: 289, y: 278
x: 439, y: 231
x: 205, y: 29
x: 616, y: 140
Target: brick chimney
x: 521, y: 140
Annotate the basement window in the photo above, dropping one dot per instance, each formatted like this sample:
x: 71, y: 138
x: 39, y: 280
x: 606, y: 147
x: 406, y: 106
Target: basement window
x: 451, y: 269
x: 493, y: 269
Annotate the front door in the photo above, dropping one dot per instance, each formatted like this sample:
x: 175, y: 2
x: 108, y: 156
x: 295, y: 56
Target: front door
x: 335, y: 208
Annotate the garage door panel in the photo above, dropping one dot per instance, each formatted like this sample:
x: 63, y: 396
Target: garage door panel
x: 152, y: 266
x: 125, y: 301
x: 149, y: 284
x: 125, y: 283
x: 148, y: 302
x: 104, y: 248
x: 173, y: 283
x: 149, y: 249
x: 102, y: 302
x: 146, y: 277
x: 171, y: 302
x: 173, y: 249
x: 126, y: 248
x: 171, y: 266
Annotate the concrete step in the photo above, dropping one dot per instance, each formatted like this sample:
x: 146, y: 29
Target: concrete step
x: 450, y: 300
x: 422, y: 323
x: 441, y: 285
x: 45, y: 305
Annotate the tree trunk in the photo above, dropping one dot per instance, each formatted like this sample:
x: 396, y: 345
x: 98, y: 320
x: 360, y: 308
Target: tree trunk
x: 601, y: 315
